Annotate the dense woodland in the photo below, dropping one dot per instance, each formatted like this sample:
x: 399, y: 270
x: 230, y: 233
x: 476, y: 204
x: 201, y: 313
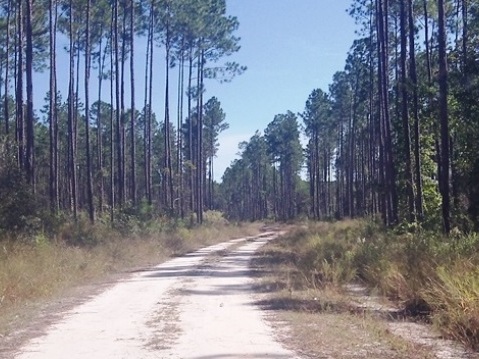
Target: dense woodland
x: 103, y: 152
x: 396, y: 134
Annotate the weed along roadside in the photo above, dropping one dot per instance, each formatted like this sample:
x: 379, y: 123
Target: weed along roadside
x: 351, y: 289
x: 45, y: 274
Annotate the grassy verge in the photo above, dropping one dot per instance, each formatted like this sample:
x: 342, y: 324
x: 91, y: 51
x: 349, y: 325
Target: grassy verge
x: 321, y: 321
x: 427, y: 274
x: 38, y: 267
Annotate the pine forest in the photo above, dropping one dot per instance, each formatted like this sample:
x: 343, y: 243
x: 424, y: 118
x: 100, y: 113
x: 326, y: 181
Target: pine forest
x: 110, y: 141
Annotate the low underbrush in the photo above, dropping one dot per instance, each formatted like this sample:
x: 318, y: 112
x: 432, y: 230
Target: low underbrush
x: 429, y: 275
x: 41, y: 266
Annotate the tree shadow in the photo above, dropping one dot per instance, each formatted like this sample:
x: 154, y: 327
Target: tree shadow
x: 252, y: 356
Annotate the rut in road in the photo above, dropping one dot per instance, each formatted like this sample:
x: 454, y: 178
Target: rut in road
x: 198, y: 306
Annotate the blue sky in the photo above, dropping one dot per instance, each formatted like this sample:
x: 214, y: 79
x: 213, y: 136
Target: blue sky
x: 290, y: 48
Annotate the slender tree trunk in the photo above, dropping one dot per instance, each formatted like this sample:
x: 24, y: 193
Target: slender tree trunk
x: 56, y: 142
x: 380, y: 123
x: 30, y: 148
x: 415, y: 109
x: 200, y: 141
x: 19, y: 89
x: 390, y: 181
x: 52, y: 115
x: 133, y: 114
x: 91, y: 208
x: 198, y: 152
x: 405, y: 114
x: 426, y: 37
x: 317, y: 176
x: 76, y: 112
x: 122, y: 135
x: 443, y: 108
x: 99, y: 126
x: 190, y: 130
x: 120, y: 183
x: 352, y: 150
x: 112, y: 117
x: 146, y: 109
x: 340, y: 174
x: 6, y: 111
x: 179, y: 170
x: 71, y: 122
x: 465, y: 39
x: 372, y: 123
x: 150, y: 115
x: 168, y: 182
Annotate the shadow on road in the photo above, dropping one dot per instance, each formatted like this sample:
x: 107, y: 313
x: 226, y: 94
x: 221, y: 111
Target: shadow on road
x: 236, y: 356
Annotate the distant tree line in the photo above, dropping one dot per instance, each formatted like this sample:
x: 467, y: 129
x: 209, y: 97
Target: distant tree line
x: 395, y: 135
x: 96, y: 153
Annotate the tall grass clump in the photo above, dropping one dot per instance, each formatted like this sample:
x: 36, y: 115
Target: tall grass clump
x: 324, y: 252
x: 427, y: 273
x: 454, y: 296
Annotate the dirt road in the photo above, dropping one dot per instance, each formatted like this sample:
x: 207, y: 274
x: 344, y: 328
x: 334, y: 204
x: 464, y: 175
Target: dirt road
x: 199, y: 306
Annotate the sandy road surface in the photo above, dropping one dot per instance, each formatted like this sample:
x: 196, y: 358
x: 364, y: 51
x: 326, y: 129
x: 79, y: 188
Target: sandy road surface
x: 199, y: 306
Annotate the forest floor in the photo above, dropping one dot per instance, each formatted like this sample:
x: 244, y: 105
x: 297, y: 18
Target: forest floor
x: 232, y: 300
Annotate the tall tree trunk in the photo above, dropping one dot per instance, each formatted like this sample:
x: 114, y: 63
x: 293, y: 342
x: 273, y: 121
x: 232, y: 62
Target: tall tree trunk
x: 91, y: 208
x: 443, y: 115
x: 198, y: 151
x: 201, y: 166
x: 19, y: 113
x: 76, y: 112
x: 30, y: 147
x: 71, y: 122
x: 133, y: 114
x: 150, y: 115
x: 52, y: 115
x: 372, y: 123
x: 405, y: 114
x: 168, y: 181
x: 119, y: 148
x: 465, y: 39
x: 415, y: 110
x: 179, y: 146
x: 56, y: 141
x: 112, y: 117
x: 390, y: 181
x: 190, y: 130
x: 340, y: 174
x: 352, y: 150
x: 426, y: 41
x: 146, y: 110
x: 6, y: 111
x: 122, y: 102
x: 102, y: 53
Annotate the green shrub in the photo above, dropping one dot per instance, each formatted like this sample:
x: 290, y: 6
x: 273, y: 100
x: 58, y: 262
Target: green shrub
x: 18, y: 208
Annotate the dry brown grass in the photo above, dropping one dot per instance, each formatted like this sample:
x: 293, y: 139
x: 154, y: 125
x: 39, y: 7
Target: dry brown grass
x: 320, y: 320
x: 40, y: 269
